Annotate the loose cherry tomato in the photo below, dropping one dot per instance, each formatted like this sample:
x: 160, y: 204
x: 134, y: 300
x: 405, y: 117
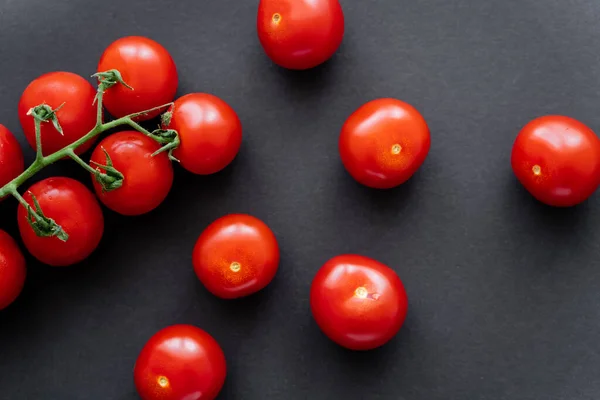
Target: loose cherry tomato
x: 147, y: 67
x: 12, y: 270
x: 557, y: 159
x: 210, y: 132
x: 358, y: 302
x: 180, y: 362
x: 384, y: 143
x: 76, y: 117
x: 147, y: 179
x: 72, y: 206
x: 11, y: 157
x: 237, y: 255
x: 300, y: 34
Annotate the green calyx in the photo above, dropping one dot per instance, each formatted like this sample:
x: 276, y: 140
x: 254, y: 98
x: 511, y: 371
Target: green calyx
x: 42, y: 225
x: 108, y: 79
x: 111, y: 179
x: 45, y: 113
x: 169, y: 138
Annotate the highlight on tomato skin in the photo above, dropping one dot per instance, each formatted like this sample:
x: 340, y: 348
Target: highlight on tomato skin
x: 147, y: 67
x: 72, y: 206
x: 180, y: 362
x: 12, y: 270
x: 300, y: 34
x: 384, y: 142
x: 147, y: 179
x: 557, y: 159
x: 358, y: 302
x: 77, y: 116
x: 210, y: 132
x: 236, y: 256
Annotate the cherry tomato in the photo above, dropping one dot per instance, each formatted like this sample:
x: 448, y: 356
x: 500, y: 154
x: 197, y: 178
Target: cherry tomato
x: 147, y: 179
x: 210, y: 132
x: 384, y: 143
x: 358, y: 302
x: 237, y: 255
x: 180, y: 362
x: 12, y: 270
x: 11, y: 157
x: 557, y: 159
x: 77, y: 116
x: 147, y: 67
x: 72, y: 206
x: 300, y: 34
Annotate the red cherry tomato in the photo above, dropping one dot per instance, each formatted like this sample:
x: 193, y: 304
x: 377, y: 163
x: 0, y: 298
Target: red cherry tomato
x: 147, y: 179
x: 384, y: 143
x: 557, y: 159
x: 147, y: 67
x: 180, y: 362
x: 358, y: 302
x: 300, y: 34
x: 237, y: 255
x: 72, y: 206
x: 77, y: 116
x: 11, y: 157
x: 210, y: 132
x: 12, y: 270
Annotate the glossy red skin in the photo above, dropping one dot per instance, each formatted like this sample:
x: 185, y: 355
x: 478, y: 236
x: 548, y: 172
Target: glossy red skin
x: 368, y: 138
x: 77, y: 117
x: 11, y: 157
x: 71, y: 205
x: 147, y: 180
x: 236, y: 238
x: 210, y: 133
x: 12, y: 270
x: 358, y: 323
x: 190, y: 362
x: 307, y: 33
x: 148, y: 68
x: 568, y: 156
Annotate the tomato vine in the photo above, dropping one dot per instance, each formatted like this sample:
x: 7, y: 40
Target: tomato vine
x: 110, y: 180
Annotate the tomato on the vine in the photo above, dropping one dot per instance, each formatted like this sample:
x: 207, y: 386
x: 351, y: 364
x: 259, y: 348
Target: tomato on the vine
x: 384, y: 142
x: 11, y: 157
x: 210, y: 132
x: 358, y: 302
x: 77, y: 116
x: 147, y: 179
x: 180, y: 362
x: 235, y: 256
x: 12, y: 270
x: 72, y: 206
x: 300, y: 34
x: 557, y: 159
x: 148, y: 68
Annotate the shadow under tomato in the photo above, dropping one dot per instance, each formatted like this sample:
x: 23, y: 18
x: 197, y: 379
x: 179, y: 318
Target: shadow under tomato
x: 394, y: 360
x: 562, y: 220
x: 382, y: 201
x: 300, y: 85
x: 540, y: 235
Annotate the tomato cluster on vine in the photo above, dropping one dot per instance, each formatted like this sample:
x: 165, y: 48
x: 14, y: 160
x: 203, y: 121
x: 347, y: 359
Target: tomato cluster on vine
x: 357, y: 301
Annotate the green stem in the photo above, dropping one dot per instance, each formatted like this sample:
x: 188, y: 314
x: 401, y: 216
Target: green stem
x: 38, y: 139
x: 78, y: 160
x: 24, y: 202
x: 138, y: 127
x: 99, y: 97
x: 43, y: 162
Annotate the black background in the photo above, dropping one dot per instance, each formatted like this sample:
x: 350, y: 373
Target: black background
x: 504, y: 292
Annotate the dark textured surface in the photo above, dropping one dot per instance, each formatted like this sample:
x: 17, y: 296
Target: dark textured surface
x: 504, y: 299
